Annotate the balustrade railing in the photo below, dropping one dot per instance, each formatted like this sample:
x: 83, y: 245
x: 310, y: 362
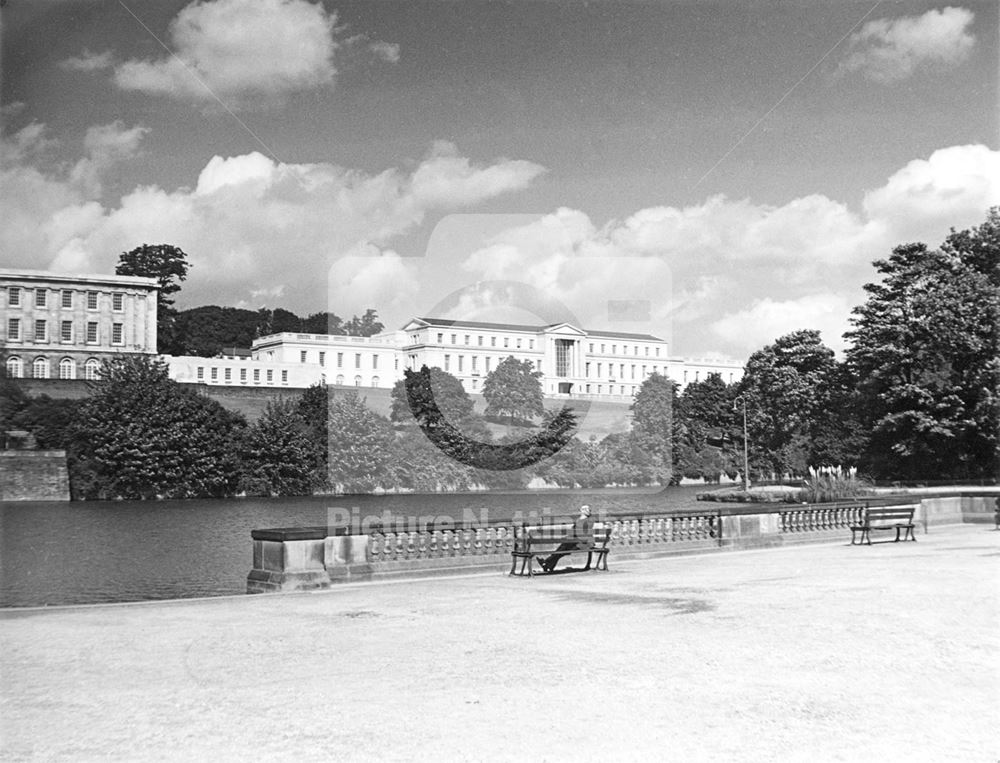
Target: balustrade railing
x: 818, y: 519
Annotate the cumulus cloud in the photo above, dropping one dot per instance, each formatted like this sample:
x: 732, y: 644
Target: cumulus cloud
x: 239, y: 51
x: 767, y: 319
x: 250, y: 225
x: 890, y: 50
x: 763, y: 268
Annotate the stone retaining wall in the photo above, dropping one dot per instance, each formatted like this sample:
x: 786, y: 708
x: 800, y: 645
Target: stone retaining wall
x: 33, y: 475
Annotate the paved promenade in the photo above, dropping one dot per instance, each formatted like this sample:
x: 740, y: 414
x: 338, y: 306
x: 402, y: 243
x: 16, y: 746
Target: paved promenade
x: 806, y: 653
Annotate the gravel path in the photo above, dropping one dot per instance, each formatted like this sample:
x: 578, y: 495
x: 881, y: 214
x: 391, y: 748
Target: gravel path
x: 807, y: 653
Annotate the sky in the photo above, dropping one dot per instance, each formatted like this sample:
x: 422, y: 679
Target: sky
x: 715, y: 173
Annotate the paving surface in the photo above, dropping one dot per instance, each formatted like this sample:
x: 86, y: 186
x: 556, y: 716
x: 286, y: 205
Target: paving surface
x: 808, y: 653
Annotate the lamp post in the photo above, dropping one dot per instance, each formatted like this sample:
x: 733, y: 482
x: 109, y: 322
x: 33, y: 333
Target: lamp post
x: 746, y: 459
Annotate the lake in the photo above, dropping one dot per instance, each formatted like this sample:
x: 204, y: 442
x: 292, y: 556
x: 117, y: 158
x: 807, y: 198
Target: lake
x: 106, y: 551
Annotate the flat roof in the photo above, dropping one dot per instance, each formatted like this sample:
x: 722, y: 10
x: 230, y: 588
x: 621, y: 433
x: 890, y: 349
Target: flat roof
x: 84, y: 278
x: 447, y: 323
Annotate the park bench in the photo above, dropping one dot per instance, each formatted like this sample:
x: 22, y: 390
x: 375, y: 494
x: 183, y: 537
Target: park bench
x: 884, y: 518
x: 531, y: 542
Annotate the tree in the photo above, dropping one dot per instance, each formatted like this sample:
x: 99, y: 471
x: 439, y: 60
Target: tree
x: 278, y: 457
x: 442, y: 388
x: 360, y: 446
x: 925, y: 350
x: 652, y: 427
x: 781, y: 387
x: 168, y: 265
x: 366, y: 325
x: 514, y: 388
x: 708, y: 437
x: 142, y: 435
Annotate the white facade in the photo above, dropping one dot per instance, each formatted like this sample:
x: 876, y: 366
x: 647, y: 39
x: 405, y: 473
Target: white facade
x: 573, y: 362
x: 56, y: 326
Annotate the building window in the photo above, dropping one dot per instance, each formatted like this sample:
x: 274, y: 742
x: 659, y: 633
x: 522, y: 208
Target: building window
x: 479, y: 340
x: 598, y: 370
x: 357, y: 381
x: 460, y: 359
x: 602, y: 349
x: 215, y: 374
x: 587, y: 388
x: 474, y: 383
x: 270, y: 375
x: 14, y: 296
x: 657, y: 351
x: 519, y: 343
x: 200, y: 373
x: 467, y: 338
x: 396, y: 364
x: 531, y: 344
x: 633, y: 370
x: 591, y: 347
x: 375, y: 362
x: 586, y: 370
x: 488, y: 361
x: 227, y: 374
x: 493, y: 341
x: 67, y: 369
x: 322, y: 358
x: 506, y: 341
x: 67, y: 298
x: 302, y: 356
x: 447, y: 362
x: 243, y: 375
x: 614, y: 349
x: 117, y: 333
x: 66, y: 331
x: 538, y: 364
x: 340, y: 360
x: 91, y: 369
x: 14, y: 329
x: 475, y: 364
x: 41, y: 297
x: 357, y: 360
x: 621, y: 370
x: 91, y: 300
x: 41, y: 331
x: 40, y: 368
x: 440, y: 338
x: 256, y: 375
x: 284, y: 377
x: 339, y: 381
x: 374, y: 381
x: 563, y: 347
x: 117, y: 302
x: 15, y: 369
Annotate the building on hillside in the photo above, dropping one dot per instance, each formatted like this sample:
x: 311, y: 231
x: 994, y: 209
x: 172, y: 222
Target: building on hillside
x: 601, y: 365
x: 56, y: 326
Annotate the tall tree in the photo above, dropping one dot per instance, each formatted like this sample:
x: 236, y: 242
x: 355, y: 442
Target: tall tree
x: 169, y: 266
x: 652, y: 427
x: 514, y: 388
x: 277, y: 454
x: 781, y: 386
x: 360, y: 446
x: 709, y: 435
x: 142, y: 435
x: 926, y: 352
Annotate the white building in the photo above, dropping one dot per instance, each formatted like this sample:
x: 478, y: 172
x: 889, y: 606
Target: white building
x: 574, y: 362
x: 56, y: 326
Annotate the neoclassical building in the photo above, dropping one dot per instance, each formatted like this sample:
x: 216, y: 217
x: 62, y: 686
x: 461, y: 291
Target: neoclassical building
x: 574, y: 362
x: 62, y: 326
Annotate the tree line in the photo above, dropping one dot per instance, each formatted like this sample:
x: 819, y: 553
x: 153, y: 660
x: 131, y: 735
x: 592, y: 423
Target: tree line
x: 916, y: 397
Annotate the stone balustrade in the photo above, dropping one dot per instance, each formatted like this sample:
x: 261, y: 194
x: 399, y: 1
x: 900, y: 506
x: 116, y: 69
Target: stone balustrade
x: 316, y: 557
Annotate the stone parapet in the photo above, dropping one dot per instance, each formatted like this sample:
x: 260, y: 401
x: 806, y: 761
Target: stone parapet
x: 292, y: 559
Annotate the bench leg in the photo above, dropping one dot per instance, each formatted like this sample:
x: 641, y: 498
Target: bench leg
x: 513, y: 565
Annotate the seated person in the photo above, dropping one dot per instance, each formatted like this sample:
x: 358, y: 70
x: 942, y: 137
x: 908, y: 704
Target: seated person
x: 583, y: 528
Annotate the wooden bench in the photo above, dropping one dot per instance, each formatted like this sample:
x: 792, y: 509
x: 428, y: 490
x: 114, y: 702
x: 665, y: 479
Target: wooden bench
x: 886, y: 518
x: 531, y: 542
